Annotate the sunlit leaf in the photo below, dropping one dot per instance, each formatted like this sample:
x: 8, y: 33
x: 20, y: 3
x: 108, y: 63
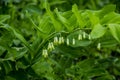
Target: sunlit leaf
x: 98, y: 31
x: 78, y: 16
x: 115, y: 31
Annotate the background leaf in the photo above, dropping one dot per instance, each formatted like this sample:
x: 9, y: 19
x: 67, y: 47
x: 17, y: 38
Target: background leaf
x: 4, y: 18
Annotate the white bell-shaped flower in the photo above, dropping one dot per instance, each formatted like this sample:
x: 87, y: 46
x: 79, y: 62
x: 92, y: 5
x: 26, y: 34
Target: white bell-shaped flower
x: 49, y: 46
x: 52, y: 45
x: 89, y: 37
x: 68, y: 42
x: 79, y: 37
x: 60, y: 40
x: 56, y: 40
x: 84, y: 35
x: 73, y: 41
x: 45, y: 53
x: 99, y: 46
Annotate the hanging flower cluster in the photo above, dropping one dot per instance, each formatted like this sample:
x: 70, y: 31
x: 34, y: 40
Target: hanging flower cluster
x: 51, y: 45
x: 61, y: 40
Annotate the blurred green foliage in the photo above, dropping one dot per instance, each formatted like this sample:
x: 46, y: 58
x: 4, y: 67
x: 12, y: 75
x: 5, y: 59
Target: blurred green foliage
x: 88, y: 46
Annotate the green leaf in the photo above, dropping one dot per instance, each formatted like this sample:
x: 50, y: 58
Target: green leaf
x: 73, y: 21
x: 78, y: 43
x: 105, y: 77
x: 98, y: 31
x: 70, y: 52
x: 3, y: 39
x: 57, y: 2
x: 116, y: 71
x: 20, y: 53
x: 20, y: 37
x: 36, y: 27
x: 96, y: 72
x: 115, y: 31
x: 105, y: 10
x: 109, y: 43
x: 63, y: 20
x: 21, y: 65
x: 42, y: 68
x: 11, y: 54
x: 2, y: 49
x: 33, y: 9
x: 4, y: 18
x: 82, y: 43
x: 56, y: 24
x: 46, y: 26
x: 86, y: 64
x: 111, y: 18
x: 9, y: 78
x: 7, y: 66
x: 93, y: 18
x: 78, y: 16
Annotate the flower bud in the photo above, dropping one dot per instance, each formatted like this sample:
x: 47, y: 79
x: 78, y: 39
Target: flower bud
x: 45, y: 53
x: 55, y: 40
x: 79, y: 37
x: 68, y: 42
x: 99, y: 46
x: 73, y: 41
x: 49, y: 46
x: 89, y: 37
x: 52, y: 46
x: 84, y: 35
x: 60, y: 40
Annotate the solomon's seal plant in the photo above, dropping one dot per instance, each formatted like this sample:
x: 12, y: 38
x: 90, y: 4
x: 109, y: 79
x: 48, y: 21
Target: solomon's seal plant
x: 60, y: 45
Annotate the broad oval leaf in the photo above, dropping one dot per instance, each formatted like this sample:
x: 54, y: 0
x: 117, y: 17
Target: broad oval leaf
x: 98, y: 31
x: 115, y: 31
x: 105, y: 10
x: 42, y: 67
x: 111, y: 18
